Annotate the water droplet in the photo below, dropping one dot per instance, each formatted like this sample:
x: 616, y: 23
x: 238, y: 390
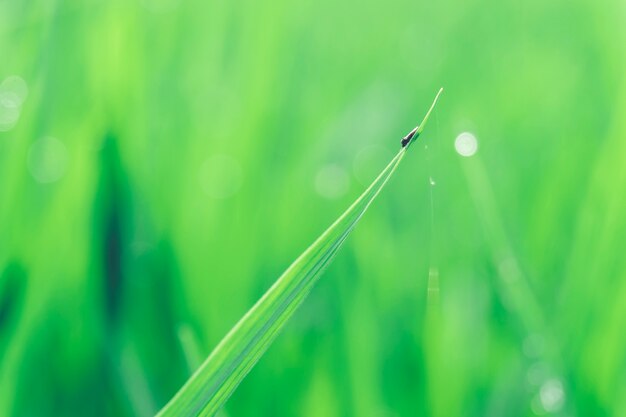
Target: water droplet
x: 466, y: 144
x: 433, y: 283
x: 432, y: 181
x: 221, y: 176
x: 332, y: 181
x: 47, y: 160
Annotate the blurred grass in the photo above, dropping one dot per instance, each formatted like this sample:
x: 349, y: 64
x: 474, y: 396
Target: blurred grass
x: 133, y: 236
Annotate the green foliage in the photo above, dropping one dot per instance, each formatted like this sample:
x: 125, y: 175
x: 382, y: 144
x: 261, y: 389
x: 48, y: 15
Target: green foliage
x: 198, y: 145
x: 214, y: 382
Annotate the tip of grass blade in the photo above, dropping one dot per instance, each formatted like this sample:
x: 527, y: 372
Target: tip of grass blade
x: 414, y: 134
x: 210, y: 386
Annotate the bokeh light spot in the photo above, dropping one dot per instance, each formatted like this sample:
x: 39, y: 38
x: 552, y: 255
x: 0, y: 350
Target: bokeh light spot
x: 466, y: 144
x: 17, y: 86
x: 332, y: 181
x: 552, y: 395
x: 47, y: 160
x: 9, y: 111
x: 221, y: 176
x: 13, y: 92
x: 537, y: 373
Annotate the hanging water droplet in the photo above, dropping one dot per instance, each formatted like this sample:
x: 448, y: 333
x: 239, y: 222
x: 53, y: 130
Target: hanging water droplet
x: 432, y: 181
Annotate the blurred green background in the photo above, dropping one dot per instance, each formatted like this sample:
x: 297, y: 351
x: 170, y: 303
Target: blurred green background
x: 163, y: 161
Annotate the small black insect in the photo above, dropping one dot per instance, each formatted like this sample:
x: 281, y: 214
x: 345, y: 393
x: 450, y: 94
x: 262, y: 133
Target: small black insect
x: 407, y: 139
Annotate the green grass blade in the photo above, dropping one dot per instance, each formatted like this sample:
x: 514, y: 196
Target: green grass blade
x: 212, y: 384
